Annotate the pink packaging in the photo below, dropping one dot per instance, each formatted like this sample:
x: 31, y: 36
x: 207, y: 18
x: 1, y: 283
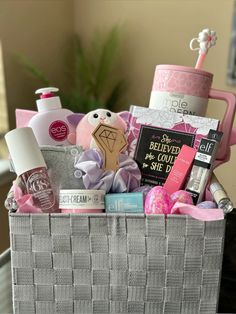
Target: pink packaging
x: 199, y: 126
x: 182, y: 166
x: 187, y: 90
x: 30, y: 166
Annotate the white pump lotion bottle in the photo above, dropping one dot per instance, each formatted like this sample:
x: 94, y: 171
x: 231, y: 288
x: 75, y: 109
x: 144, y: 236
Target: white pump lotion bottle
x: 50, y: 124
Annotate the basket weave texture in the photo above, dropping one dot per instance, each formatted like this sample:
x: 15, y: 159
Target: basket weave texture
x: 108, y: 263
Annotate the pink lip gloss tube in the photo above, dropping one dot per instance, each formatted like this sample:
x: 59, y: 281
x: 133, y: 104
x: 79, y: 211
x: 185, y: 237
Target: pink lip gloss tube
x: 31, y: 168
x: 182, y: 165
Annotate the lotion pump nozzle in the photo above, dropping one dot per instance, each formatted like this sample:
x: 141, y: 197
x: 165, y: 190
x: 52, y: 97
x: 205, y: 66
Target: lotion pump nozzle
x: 48, y: 100
x: 47, y: 92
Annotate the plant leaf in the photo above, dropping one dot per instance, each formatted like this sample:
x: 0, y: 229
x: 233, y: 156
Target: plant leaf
x: 83, y: 75
x: 88, y: 73
x: 116, y: 94
x: 108, y: 52
x: 33, y: 70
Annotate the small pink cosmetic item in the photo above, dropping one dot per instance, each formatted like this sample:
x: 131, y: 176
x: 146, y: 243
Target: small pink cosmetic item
x: 30, y: 166
x: 180, y: 169
x: 158, y: 201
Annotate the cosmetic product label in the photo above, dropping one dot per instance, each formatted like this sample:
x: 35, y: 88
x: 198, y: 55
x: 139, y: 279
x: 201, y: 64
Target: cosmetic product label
x: 178, y: 103
x: 206, y: 153
x: 82, y: 199
x: 202, y: 168
x: 156, y: 152
x: 58, y: 130
x: 37, y: 183
x: 124, y: 202
x: 182, y: 165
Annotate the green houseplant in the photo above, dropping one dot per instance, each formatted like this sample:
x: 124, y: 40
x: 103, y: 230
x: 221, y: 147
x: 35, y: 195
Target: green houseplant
x: 90, y: 74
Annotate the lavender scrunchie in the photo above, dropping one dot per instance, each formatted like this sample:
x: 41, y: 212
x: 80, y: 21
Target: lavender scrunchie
x: 125, y: 179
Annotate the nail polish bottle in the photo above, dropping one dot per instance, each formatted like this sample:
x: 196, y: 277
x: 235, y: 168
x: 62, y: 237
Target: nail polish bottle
x: 30, y: 166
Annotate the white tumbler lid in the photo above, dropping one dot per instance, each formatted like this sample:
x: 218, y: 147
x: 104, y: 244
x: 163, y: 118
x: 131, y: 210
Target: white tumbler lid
x: 24, y: 150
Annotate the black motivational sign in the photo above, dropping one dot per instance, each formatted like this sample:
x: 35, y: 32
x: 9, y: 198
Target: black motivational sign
x: 157, y: 150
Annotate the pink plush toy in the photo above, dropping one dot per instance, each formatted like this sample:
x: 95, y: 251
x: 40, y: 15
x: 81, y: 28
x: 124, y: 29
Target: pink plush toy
x: 86, y: 123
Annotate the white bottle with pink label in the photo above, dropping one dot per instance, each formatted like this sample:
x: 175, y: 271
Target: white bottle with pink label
x: 50, y: 124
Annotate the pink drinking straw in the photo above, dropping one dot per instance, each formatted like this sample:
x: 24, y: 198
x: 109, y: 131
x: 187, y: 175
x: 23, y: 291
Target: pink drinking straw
x: 206, y: 39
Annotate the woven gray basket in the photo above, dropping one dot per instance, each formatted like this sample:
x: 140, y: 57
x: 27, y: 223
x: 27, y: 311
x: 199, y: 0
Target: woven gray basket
x: 5, y: 283
x: 98, y: 263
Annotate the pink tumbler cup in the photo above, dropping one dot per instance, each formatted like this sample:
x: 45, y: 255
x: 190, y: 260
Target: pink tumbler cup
x: 186, y: 90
